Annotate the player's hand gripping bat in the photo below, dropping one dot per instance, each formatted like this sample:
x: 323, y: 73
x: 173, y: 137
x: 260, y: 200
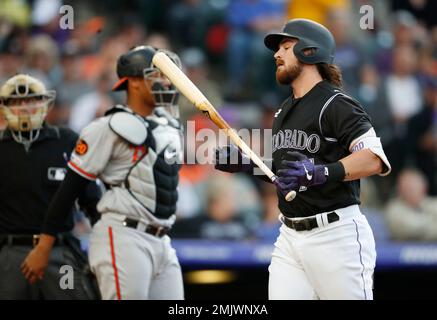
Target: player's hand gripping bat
x: 192, y: 93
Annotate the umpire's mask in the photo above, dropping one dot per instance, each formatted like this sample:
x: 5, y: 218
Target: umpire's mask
x: 24, y: 103
x: 164, y: 92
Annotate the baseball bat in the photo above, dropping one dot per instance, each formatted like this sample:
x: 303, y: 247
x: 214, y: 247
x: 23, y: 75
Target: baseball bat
x: 192, y: 93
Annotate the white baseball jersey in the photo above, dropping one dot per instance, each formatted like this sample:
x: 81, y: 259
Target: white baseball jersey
x: 138, y: 159
x: 142, y: 179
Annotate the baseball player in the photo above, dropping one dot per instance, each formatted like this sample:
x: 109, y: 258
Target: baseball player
x: 323, y: 143
x: 32, y: 167
x: 136, y: 150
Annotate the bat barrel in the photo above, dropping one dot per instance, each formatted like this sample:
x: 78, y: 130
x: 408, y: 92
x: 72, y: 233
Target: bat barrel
x: 192, y: 93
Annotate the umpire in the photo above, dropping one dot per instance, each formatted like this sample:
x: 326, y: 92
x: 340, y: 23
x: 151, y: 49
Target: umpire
x: 33, y: 162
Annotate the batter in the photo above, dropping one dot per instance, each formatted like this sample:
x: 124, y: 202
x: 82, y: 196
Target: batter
x: 323, y: 143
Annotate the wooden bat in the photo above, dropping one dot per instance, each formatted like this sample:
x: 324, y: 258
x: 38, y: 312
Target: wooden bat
x: 192, y: 93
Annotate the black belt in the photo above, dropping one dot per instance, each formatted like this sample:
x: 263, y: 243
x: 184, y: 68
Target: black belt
x: 150, y: 229
x: 24, y: 239
x: 308, y: 223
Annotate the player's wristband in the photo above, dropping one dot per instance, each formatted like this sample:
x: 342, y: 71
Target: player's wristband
x: 334, y: 172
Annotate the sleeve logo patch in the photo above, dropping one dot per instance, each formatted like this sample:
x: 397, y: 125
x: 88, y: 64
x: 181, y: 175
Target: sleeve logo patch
x: 359, y: 146
x: 81, y: 147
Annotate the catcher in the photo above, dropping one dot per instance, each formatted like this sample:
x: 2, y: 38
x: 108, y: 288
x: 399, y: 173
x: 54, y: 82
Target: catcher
x: 135, y: 149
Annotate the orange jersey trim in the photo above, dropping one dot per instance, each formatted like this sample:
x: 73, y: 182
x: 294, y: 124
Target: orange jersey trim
x: 82, y: 172
x: 114, y: 264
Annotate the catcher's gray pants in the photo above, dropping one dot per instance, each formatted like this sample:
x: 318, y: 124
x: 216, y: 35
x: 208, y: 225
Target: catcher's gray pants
x: 14, y: 286
x: 131, y: 264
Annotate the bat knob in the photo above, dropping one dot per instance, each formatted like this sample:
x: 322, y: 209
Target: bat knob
x: 290, y: 196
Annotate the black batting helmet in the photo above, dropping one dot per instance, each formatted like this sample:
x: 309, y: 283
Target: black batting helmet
x: 132, y: 64
x: 310, y: 35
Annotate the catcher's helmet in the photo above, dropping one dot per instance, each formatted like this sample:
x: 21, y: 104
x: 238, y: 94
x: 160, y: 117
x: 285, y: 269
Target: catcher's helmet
x: 132, y: 64
x: 138, y: 63
x: 310, y: 35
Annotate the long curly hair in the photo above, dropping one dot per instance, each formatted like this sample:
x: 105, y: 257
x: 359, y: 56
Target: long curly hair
x: 331, y: 73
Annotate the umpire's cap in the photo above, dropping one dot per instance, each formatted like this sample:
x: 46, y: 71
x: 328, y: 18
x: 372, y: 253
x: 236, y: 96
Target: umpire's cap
x: 132, y: 64
x: 310, y: 35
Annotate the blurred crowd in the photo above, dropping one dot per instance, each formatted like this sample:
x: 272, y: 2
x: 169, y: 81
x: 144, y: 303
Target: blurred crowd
x: 391, y: 69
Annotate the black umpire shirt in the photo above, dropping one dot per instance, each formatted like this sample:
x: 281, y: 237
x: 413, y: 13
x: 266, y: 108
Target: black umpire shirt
x: 29, y: 180
x: 321, y: 125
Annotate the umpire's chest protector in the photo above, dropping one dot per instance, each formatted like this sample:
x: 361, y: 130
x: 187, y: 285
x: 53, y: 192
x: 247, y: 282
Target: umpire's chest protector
x: 154, y: 175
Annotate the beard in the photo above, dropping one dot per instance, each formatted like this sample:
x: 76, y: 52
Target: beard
x: 287, y: 75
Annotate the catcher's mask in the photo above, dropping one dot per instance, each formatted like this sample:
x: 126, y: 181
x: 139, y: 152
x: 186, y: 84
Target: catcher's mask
x: 24, y: 103
x: 164, y: 92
